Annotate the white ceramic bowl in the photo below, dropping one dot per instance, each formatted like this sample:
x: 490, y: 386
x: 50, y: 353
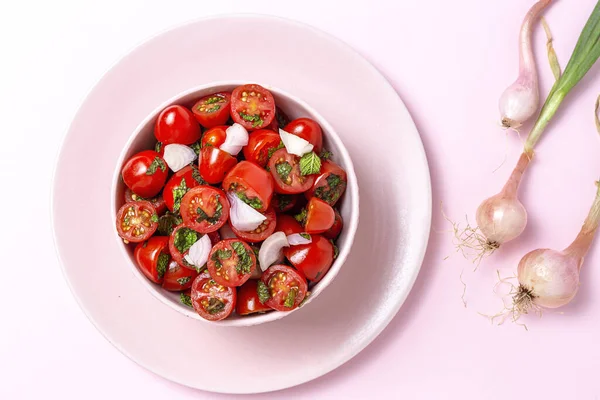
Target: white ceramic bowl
x: 143, y: 139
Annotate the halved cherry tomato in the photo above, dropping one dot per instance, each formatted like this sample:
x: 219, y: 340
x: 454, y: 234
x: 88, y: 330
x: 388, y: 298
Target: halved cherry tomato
x: 180, y: 241
x: 313, y: 259
x: 285, y: 169
x: 214, y: 164
x: 231, y: 262
x: 251, y: 183
x: 261, y: 146
x: 247, y: 299
x: 330, y: 184
x: 137, y: 221
x: 263, y: 231
x: 178, y: 185
x: 213, y: 110
x: 176, y: 124
x: 308, y: 130
x: 319, y: 216
x: 212, y: 301
x: 178, y: 278
x: 145, y: 173
x: 283, y: 202
x: 158, y: 202
x: 252, y: 106
x: 152, y: 257
x: 288, y: 225
x: 286, y: 287
x: 215, y: 136
x: 204, y: 208
x: 335, y: 230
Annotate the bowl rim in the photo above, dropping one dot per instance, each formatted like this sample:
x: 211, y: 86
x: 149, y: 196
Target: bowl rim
x: 350, y: 226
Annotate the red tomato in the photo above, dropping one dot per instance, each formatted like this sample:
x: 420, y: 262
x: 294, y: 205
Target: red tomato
x: 261, y: 145
x: 335, y: 230
x: 288, y: 225
x: 204, y: 208
x: 262, y: 232
x: 211, y: 300
x: 308, y: 130
x: 152, y: 257
x: 313, y: 259
x: 231, y: 262
x: 287, y: 288
x: 252, y: 106
x: 215, y: 237
x: 178, y: 278
x: 215, y: 136
x: 247, y: 299
x: 176, y: 124
x: 285, y: 169
x: 178, y: 185
x: 251, y: 183
x: 158, y: 202
x: 145, y: 173
x: 215, y: 164
x: 330, y: 184
x: 319, y: 216
x: 283, y: 202
x: 137, y: 221
x: 213, y: 110
x: 180, y: 241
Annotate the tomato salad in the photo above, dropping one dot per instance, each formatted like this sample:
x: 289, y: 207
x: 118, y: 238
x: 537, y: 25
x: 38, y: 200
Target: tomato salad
x: 235, y: 206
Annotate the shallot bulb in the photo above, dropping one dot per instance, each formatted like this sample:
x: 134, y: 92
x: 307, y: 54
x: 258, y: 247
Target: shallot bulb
x: 502, y: 217
x: 550, y: 278
x: 521, y: 100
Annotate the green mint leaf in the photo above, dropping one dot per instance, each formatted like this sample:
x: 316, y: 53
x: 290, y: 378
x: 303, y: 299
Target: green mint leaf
x: 196, y: 175
x: 255, y: 119
x: 302, y: 216
x: 185, y: 238
x: 274, y: 149
x: 305, y: 236
x: 156, y: 163
x: 325, y: 155
x: 334, y: 189
x: 283, y: 170
x: 163, y: 262
x: 184, y: 280
x: 178, y: 193
x: 244, y: 265
x: 310, y: 163
x: 304, y: 299
x: 214, y: 306
x: 154, y: 218
x: 196, y: 147
x: 283, y: 200
x: 185, y: 299
x: 166, y: 224
x: 203, y: 216
x: 253, y: 202
x: 263, y: 292
x: 158, y: 147
x: 336, y: 251
x: 214, y: 108
x: 291, y: 298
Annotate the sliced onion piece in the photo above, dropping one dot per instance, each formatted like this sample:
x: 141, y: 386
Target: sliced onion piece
x: 237, y: 137
x: 271, y: 250
x: 243, y: 217
x: 198, y: 253
x: 226, y: 232
x: 295, y: 144
x: 297, y: 239
x: 178, y: 156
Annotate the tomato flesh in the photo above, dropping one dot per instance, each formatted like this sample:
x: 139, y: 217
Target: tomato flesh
x: 158, y: 202
x: 178, y: 278
x: 213, y: 110
x: 152, y: 257
x: 320, y: 216
x: 330, y: 184
x: 285, y: 169
x: 262, y: 232
x: 231, y: 262
x: 261, y: 145
x: 204, y: 208
x: 137, y: 221
x: 248, y: 301
x: 335, y: 230
x: 215, y: 136
x: 251, y: 183
x: 252, y: 106
x: 211, y: 300
x: 313, y: 259
x: 287, y: 288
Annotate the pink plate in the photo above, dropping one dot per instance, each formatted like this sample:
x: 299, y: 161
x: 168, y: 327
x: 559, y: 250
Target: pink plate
x: 395, y: 207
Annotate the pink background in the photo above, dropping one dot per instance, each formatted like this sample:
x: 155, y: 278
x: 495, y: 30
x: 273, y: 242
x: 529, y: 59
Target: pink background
x: 449, y: 61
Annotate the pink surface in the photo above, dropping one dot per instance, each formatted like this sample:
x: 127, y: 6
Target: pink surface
x: 449, y: 61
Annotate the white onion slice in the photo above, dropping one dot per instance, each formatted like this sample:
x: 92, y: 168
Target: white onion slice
x: 198, y: 253
x: 295, y: 144
x: 271, y: 250
x: 237, y: 137
x: 243, y: 217
x: 226, y: 232
x: 296, y: 239
x: 178, y: 156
